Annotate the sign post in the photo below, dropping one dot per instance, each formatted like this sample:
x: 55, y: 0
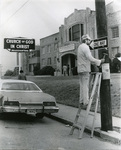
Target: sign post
x: 105, y: 96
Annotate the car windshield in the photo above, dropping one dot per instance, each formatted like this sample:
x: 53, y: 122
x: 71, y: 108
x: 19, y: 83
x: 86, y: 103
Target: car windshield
x: 20, y: 86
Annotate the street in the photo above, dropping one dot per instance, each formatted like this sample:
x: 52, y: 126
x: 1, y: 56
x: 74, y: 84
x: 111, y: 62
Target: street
x: 18, y: 132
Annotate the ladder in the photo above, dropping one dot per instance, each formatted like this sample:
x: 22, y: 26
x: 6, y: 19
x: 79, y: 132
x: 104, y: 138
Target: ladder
x: 94, y: 88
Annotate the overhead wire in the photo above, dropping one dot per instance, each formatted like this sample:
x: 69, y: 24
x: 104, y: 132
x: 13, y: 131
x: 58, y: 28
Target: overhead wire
x: 16, y: 11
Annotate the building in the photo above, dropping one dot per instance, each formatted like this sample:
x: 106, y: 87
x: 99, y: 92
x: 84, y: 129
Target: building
x: 113, y: 12
x: 30, y: 59
x: 49, y: 51
x: 60, y: 48
x: 34, y: 59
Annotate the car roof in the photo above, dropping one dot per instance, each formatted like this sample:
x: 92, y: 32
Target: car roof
x: 12, y: 80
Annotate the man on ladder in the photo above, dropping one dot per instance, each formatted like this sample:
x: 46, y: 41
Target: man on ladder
x: 84, y: 61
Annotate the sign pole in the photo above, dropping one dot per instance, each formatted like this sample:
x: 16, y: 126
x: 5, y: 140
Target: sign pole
x: 105, y: 96
x: 19, y: 61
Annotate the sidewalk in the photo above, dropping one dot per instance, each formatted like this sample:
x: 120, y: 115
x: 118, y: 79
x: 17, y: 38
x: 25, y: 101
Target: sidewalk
x: 67, y: 115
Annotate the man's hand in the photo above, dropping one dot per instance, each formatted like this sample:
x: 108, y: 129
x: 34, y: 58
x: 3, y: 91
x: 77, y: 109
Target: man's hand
x: 102, y: 61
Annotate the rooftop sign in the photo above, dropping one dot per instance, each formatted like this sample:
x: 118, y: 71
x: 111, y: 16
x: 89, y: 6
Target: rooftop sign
x: 66, y: 48
x: 18, y: 45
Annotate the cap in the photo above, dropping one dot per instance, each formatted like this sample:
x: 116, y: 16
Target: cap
x: 86, y: 36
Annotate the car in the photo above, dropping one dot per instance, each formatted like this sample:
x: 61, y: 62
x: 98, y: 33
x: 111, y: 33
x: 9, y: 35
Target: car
x: 20, y: 96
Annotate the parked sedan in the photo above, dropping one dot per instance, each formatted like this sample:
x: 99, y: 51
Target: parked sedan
x: 19, y: 96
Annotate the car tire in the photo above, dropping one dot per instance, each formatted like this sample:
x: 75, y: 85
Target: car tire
x: 39, y: 115
x: 1, y: 116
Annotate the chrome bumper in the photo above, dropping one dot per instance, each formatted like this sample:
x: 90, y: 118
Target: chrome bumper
x: 42, y: 109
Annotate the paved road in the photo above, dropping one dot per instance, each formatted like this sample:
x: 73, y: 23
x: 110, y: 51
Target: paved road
x: 20, y: 132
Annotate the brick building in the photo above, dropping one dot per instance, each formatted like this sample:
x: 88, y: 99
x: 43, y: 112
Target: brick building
x: 60, y: 48
x: 30, y: 59
x: 113, y: 12
x: 34, y: 59
x: 49, y: 50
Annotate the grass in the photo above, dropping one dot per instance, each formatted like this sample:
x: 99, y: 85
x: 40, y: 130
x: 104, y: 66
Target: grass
x: 66, y: 91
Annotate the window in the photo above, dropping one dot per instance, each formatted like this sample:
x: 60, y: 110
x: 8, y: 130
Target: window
x: 29, y: 67
x: 20, y: 86
x: 75, y: 32
x: 43, y: 61
x: 54, y: 60
x: 43, y: 50
x: 49, y: 61
x: 82, y: 30
x: 55, y: 46
x: 33, y: 54
x: 37, y: 53
x: 115, y: 50
x: 48, y: 49
x: 115, y: 32
x: 70, y: 36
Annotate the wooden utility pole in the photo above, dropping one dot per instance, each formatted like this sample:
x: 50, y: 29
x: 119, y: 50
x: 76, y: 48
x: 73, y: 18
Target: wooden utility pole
x: 105, y: 96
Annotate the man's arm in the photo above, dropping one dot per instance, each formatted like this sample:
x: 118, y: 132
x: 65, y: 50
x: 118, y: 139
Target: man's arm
x: 91, y: 58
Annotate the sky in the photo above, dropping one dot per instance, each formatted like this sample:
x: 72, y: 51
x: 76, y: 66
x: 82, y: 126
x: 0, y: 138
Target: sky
x: 33, y: 19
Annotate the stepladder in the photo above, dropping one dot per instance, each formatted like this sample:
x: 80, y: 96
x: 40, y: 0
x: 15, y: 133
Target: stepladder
x: 81, y: 118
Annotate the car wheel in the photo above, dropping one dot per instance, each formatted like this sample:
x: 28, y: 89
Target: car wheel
x: 1, y: 115
x: 39, y: 115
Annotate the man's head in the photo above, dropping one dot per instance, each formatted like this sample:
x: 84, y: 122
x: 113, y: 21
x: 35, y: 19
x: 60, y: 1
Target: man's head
x: 21, y: 71
x: 86, y: 39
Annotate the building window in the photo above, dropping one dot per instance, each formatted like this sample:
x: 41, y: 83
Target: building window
x: 37, y: 53
x: 48, y: 49
x: 49, y: 61
x: 115, y: 32
x: 115, y: 50
x: 43, y: 50
x: 33, y: 54
x: 43, y: 62
x: 93, y: 32
x: 30, y: 68
x: 82, y: 30
x: 75, y: 32
x: 54, y: 60
x: 55, y: 46
x: 30, y: 54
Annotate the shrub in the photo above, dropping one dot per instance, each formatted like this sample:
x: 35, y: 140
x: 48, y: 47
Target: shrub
x: 9, y: 73
x: 36, y: 70
x: 47, y: 70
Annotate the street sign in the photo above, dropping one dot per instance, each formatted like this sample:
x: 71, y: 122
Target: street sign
x: 19, y: 45
x: 100, y: 43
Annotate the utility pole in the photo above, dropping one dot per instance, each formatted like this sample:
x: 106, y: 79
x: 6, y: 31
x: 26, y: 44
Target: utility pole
x: 105, y: 96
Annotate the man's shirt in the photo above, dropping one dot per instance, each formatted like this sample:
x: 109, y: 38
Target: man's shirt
x: 85, y: 58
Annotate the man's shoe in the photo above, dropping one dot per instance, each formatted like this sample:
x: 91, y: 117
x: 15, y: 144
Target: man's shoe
x: 84, y: 106
x: 81, y: 105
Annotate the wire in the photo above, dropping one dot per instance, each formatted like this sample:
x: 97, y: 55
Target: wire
x: 16, y: 11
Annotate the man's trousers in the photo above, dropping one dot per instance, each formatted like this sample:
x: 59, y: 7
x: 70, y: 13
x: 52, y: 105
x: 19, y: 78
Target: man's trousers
x: 84, y: 87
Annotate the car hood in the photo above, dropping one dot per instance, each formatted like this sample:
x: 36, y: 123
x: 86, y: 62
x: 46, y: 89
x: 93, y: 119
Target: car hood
x: 28, y: 97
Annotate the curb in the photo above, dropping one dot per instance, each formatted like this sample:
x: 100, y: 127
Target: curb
x: 110, y: 136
